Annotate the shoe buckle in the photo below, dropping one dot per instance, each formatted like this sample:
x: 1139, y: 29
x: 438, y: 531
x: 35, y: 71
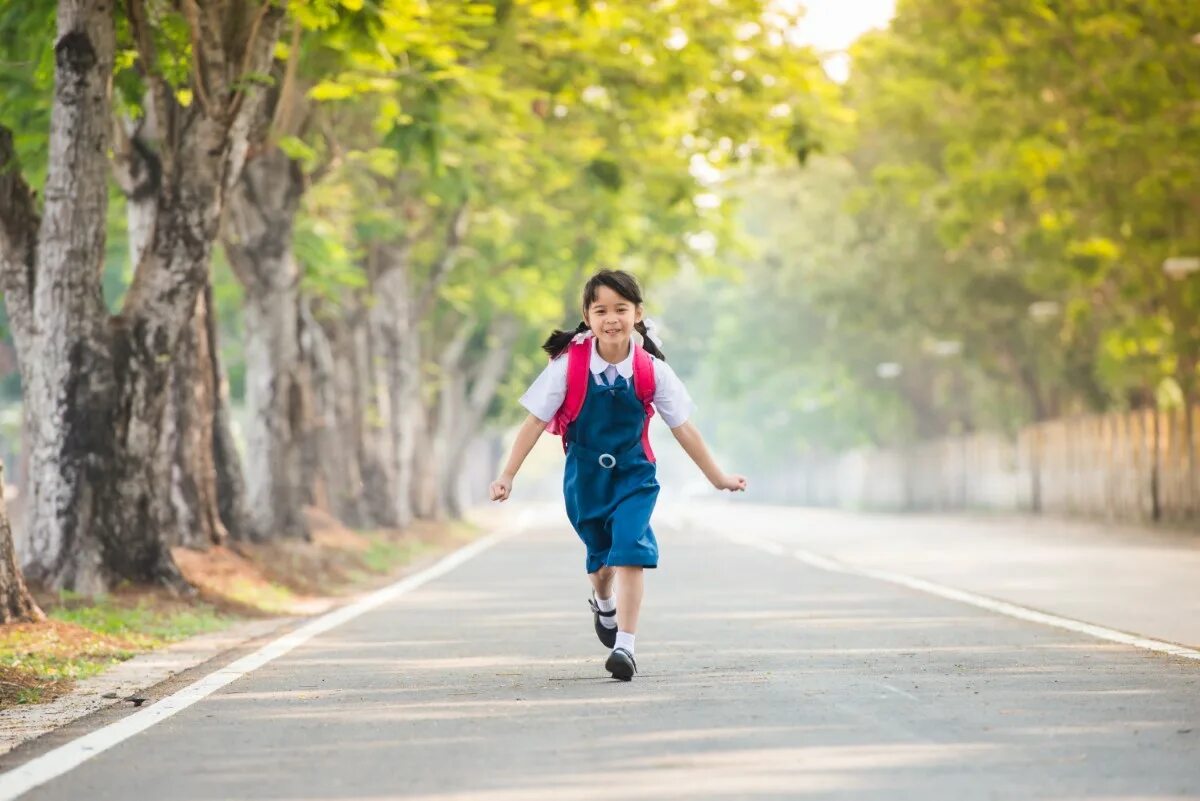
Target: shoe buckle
x: 607, y: 461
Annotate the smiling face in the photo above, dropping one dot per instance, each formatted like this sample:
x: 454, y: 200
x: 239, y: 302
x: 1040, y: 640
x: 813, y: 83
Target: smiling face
x: 612, y: 317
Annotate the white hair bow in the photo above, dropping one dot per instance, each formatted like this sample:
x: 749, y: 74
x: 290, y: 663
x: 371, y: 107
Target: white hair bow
x: 652, y: 332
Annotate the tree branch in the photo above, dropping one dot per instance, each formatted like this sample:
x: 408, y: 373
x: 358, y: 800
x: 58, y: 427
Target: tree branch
x: 136, y: 167
x: 208, y: 52
x: 160, y: 101
x: 260, y: 47
x: 280, y: 125
x: 488, y: 372
x: 192, y: 15
x: 455, y: 233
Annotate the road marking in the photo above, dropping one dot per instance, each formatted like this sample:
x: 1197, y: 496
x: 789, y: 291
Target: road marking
x: 896, y: 690
x: 54, y: 763
x: 981, y: 601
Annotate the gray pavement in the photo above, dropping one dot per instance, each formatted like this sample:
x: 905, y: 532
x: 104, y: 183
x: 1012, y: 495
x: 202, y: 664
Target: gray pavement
x: 762, y: 678
x: 1141, y: 580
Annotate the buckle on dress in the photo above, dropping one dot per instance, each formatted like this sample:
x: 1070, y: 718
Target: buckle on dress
x: 607, y: 461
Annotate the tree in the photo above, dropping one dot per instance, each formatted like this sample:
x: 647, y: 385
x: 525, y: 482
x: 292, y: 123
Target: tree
x: 16, y: 603
x: 97, y: 387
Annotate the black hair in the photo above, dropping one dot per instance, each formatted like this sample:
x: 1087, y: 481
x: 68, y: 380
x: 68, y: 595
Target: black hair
x: 624, y: 285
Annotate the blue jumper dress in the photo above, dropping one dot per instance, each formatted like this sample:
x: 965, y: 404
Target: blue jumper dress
x: 609, y: 485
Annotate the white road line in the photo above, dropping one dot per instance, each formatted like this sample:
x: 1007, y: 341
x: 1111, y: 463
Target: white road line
x: 70, y: 755
x: 896, y: 690
x: 981, y: 601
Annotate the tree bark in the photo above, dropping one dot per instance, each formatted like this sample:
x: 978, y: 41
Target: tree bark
x: 444, y: 413
x: 99, y: 388
x: 188, y: 503
x: 258, y: 240
x: 231, y: 482
x: 331, y: 455
x: 191, y: 514
x: 397, y: 373
x: 478, y: 390
x: 382, y: 493
x: 400, y: 308
x: 138, y: 171
x: 16, y: 603
x: 66, y: 358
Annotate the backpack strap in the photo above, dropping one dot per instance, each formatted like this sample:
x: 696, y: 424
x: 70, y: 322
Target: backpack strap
x: 579, y: 356
x: 643, y: 388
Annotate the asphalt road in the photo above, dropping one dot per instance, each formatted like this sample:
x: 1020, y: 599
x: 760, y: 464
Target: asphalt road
x: 761, y: 678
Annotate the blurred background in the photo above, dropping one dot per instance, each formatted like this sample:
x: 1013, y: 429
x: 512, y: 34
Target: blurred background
x: 915, y: 255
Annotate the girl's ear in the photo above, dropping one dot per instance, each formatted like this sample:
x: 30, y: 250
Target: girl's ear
x: 637, y: 317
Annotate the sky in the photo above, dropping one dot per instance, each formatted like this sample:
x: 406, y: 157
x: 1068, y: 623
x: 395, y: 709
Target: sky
x: 831, y: 25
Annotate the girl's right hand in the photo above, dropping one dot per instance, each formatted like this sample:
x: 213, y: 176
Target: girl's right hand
x: 501, y: 488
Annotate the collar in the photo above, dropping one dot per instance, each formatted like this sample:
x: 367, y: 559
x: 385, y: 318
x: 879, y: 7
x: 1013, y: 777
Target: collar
x: 599, y: 365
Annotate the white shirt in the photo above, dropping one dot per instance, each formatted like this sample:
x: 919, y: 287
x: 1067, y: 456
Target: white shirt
x: 671, y: 399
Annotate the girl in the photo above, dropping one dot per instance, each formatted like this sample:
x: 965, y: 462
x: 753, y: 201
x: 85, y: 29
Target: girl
x: 599, y: 398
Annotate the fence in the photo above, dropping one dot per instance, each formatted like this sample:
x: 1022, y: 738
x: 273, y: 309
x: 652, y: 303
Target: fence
x: 1131, y: 466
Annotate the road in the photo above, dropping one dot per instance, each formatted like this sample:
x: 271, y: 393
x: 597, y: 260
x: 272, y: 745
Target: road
x: 762, y: 677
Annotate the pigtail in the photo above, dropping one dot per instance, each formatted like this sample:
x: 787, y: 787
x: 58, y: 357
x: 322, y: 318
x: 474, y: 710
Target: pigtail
x: 557, y: 342
x: 648, y: 343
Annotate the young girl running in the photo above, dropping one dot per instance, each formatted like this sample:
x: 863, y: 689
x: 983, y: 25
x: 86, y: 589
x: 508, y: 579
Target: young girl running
x: 598, y: 392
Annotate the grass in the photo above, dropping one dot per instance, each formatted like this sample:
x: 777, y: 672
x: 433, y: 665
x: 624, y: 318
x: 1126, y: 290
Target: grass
x: 385, y: 555
x: 84, y: 636
x: 143, y: 624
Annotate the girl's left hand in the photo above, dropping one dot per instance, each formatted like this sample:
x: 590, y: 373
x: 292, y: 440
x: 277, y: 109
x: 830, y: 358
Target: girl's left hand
x: 731, y: 482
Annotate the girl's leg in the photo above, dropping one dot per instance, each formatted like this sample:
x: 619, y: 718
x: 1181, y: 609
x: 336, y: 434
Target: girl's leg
x: 630, y: 587
x: 602, y: 581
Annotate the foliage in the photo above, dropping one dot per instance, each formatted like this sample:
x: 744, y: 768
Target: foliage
x: 995, y: 230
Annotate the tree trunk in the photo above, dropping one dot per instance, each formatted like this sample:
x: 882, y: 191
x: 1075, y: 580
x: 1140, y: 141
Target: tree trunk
x: 377, y: 454
x: 138, y: 171
x: 231, y: 483
x: 66, y: 357
x: 396, y: 344
x: 331, y: 447
x: 16, y: 604
x: 190, y: 512
x: 446, y: 412
x: 98, y: 389
x: 477, y: 394
x: 258, y: 241
x: 187, y: 505
x: 204, y: 146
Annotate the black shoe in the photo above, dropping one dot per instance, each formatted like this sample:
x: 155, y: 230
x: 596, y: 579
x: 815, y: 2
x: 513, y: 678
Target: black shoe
x: 621, y: 665
x: 607, y: 636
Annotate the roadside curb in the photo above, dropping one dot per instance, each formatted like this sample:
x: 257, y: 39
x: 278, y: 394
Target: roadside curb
x: 134, y: 677
x: 21, y: 724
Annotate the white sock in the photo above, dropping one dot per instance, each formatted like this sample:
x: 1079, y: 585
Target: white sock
x: 624, y: 640
x: 607, y: 605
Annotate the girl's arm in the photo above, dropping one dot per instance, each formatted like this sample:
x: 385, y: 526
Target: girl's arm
x: 689, y: 437
x: 527, y: 437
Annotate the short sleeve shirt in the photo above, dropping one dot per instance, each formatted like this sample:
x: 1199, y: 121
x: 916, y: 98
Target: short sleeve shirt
x: 671, y: 400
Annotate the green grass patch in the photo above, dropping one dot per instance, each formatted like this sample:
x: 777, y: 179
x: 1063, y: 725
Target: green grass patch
x: 142, y: 624
x: 83, y: 637
x: 270, y: 597
x: 385, y: 555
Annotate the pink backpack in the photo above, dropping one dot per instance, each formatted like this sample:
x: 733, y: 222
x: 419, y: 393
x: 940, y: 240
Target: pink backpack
x: 579, y: 358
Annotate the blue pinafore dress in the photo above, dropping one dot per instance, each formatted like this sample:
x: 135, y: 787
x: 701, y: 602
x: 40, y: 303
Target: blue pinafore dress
x: 609, y: 485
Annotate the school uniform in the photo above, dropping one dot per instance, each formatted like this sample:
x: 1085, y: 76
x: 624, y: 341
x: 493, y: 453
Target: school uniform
x: 609, y: 485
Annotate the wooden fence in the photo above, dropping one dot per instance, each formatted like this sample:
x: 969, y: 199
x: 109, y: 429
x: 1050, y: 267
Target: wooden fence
x: 1132, y: 466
